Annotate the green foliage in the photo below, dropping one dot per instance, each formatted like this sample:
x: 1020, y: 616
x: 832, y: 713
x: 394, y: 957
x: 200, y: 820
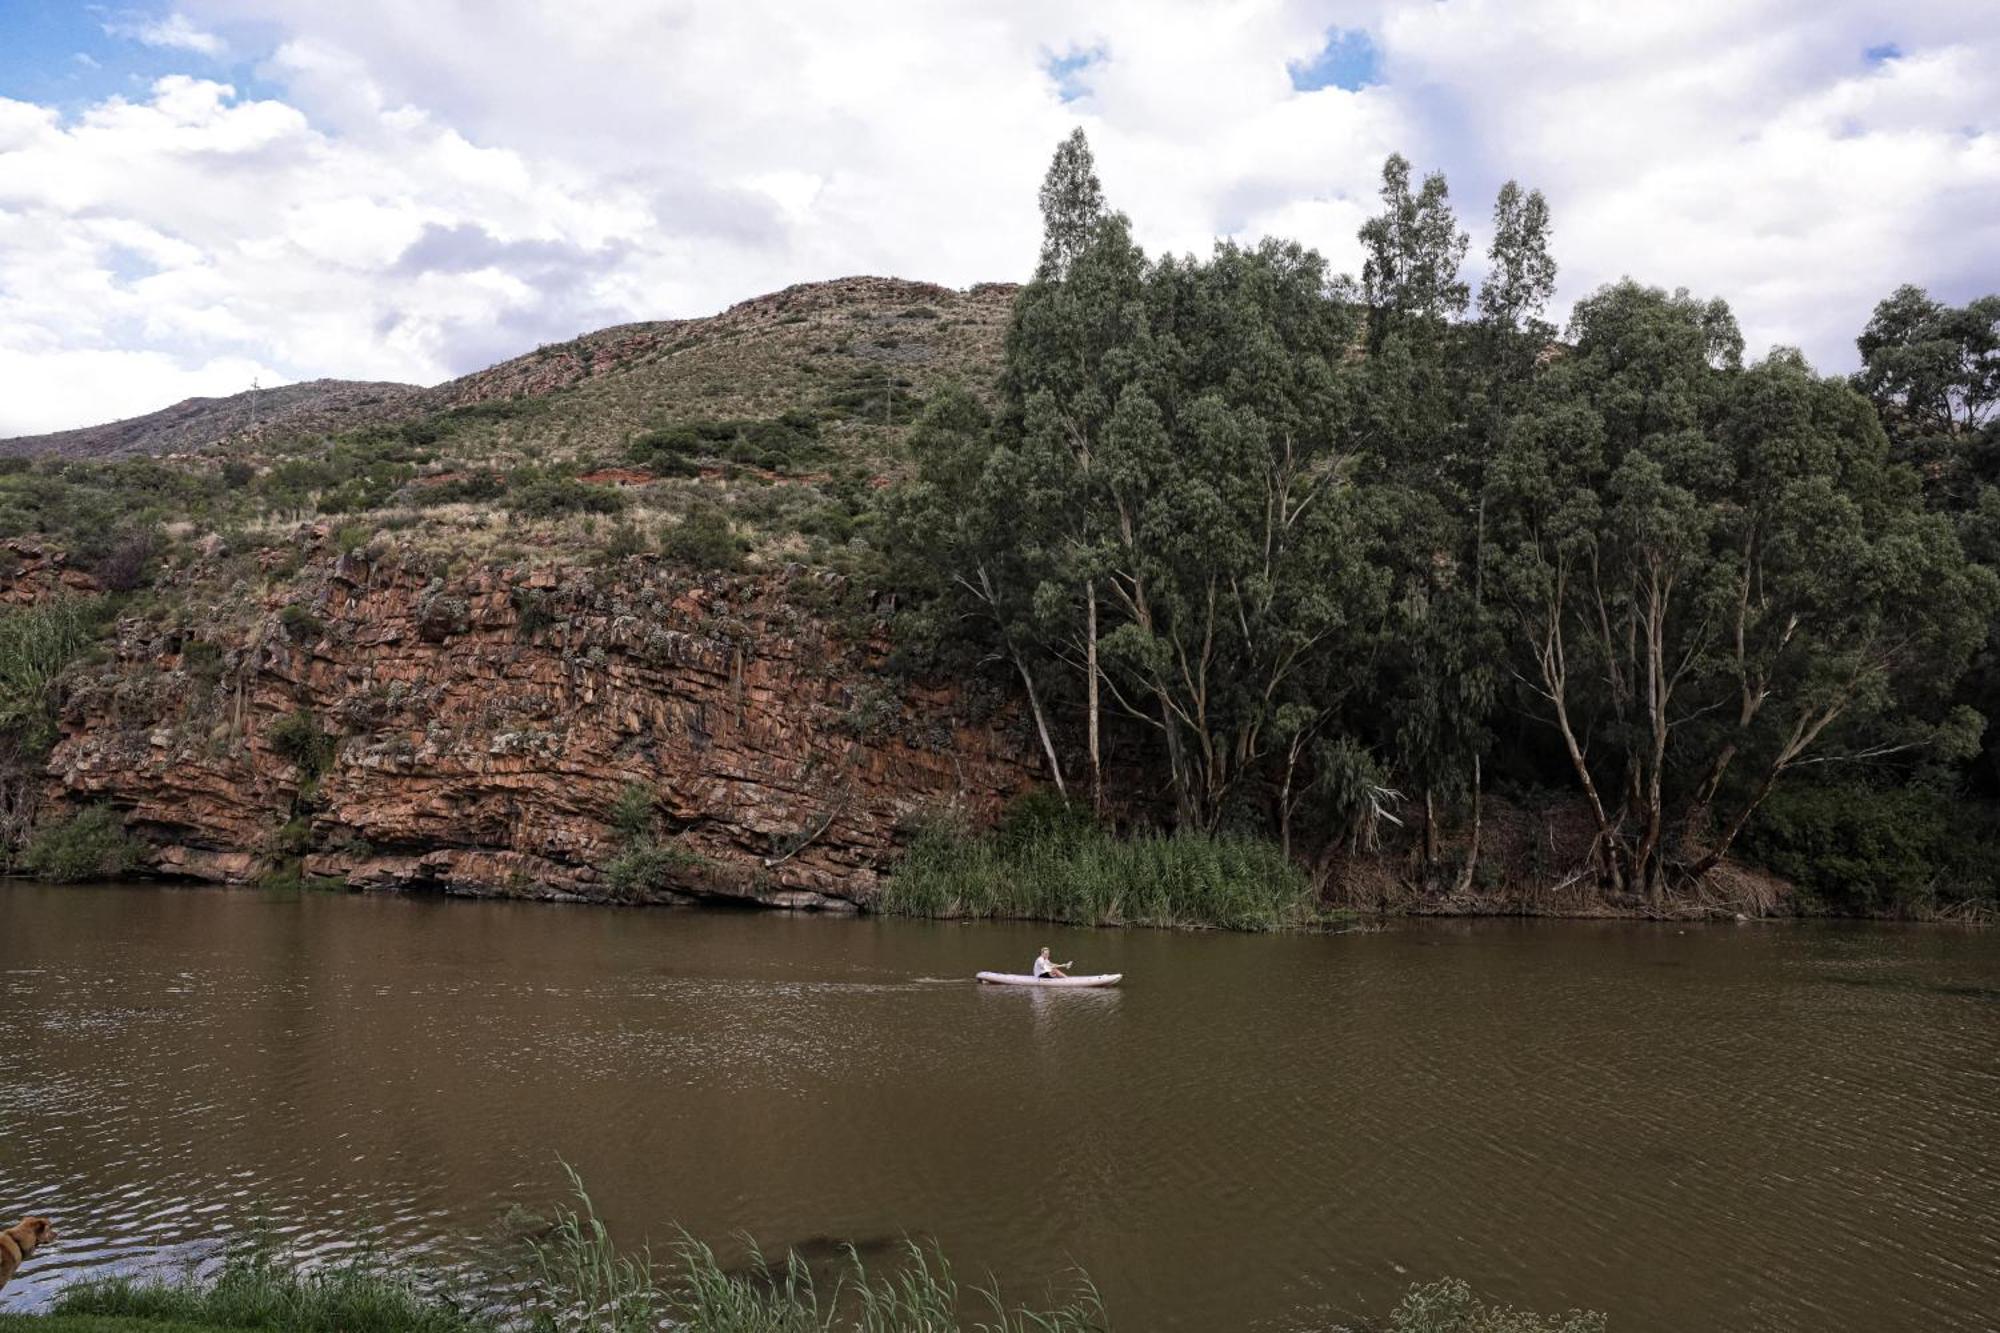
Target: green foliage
x: 1449, y: 1306
x: 474, y: 487
x: 260, y: 1289
x: 623, y: 542
x: 1414, y: 248
x: 1712, y: 568
x: 535, y: 494
x: 703, y: 539
x: 127, y: 563
x: 297, y: 736
x: 583, y: 1283
x: 301, y: 624
x: 646, y: 866
x: 533, y: 608
x: 36, y: 643
x: 786, y: 443
x: 1049, y: 861
x: 635, y: 811
x: 90, y: 844
x: 1855, y: 848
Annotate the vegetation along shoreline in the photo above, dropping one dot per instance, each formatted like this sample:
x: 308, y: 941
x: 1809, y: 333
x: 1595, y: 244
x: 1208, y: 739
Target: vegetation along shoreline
x: 1221, y: 590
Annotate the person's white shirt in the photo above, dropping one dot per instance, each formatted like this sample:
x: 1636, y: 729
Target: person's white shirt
x: 1042, y: 965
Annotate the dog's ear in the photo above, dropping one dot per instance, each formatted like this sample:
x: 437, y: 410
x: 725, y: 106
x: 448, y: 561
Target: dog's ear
x: 39, y: 1227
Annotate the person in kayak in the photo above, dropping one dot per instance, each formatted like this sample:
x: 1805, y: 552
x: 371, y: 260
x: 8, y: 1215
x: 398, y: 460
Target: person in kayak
x: 1045, y: 968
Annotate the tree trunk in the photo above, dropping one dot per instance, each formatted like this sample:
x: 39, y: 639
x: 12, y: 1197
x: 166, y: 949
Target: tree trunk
x: 1041, y: 721
x: 1472, y: 847
x: 1430, y: 832
x: 1090, y: 668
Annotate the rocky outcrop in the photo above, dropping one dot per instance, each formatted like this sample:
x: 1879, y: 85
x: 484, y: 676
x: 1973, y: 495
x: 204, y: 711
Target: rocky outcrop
x: 371, y: 722
x: 31, y: 572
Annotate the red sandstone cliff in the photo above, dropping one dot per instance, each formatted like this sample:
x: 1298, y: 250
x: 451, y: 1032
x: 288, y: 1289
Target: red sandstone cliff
x: 480, y: 729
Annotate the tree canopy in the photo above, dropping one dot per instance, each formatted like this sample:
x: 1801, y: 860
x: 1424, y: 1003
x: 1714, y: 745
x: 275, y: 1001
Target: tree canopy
x: 1310, y: 543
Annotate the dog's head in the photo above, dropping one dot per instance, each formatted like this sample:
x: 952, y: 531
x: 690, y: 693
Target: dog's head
x: 30, y: 1232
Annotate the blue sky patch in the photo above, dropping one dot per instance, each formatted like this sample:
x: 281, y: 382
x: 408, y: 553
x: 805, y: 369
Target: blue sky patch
x: 1887, y: 51
x: 1067, y: 70
x: 67, y: 55
x: 1349, y: 60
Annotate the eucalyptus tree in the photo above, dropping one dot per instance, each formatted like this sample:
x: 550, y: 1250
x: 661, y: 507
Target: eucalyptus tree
x: 1933, y: 372
x: 1707, y: 568
x: 1414, y: 250
x: 1240, y: 566
x: 1067, y: 359
x: 969, y: 541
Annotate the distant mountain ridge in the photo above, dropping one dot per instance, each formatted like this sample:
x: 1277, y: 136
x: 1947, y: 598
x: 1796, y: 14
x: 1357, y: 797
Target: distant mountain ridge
x: 751, y: 345
x: 196, y: 423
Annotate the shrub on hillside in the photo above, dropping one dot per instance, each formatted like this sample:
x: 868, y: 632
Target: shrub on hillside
x: 297, y: 736
x: 91, y: 844
x: 128, y: 563
x: 555, y: 497
x: 787, y: 441
x: 704, y: 538
x: 649, y: 866
x: 301, y: 624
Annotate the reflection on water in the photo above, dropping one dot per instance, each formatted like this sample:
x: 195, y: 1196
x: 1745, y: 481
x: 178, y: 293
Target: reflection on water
x: 1760, y: 1127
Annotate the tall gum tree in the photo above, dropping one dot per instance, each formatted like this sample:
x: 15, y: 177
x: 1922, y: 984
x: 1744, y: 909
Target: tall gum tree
x: 1679, y: 542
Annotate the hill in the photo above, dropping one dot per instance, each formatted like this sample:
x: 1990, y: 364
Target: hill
x: 194, y: 424
x: 864, y: 345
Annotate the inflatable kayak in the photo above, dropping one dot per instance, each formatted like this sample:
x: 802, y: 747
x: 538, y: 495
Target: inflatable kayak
x: 1018, y: 979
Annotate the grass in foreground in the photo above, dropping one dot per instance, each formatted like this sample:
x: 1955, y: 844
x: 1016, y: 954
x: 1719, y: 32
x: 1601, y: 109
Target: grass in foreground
x: 1052, y: 862
x: 578, y: 1281
x: 89, y: 1323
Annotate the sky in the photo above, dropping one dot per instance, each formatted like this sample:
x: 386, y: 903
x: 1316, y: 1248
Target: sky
x: 200, y: 194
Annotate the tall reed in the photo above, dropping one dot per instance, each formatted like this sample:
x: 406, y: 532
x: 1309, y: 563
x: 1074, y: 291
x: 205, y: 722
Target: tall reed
x: 1050, y: 863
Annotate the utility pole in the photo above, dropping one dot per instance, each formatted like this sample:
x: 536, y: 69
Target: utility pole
x: 254, y: 386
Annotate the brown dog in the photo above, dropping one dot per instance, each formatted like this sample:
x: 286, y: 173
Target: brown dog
x: 19, y: 1241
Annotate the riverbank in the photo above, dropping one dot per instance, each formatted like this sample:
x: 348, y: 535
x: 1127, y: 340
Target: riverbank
x: 581, y: 1284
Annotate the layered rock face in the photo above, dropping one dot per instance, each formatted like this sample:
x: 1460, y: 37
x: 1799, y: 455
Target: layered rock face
x: 474, y: 734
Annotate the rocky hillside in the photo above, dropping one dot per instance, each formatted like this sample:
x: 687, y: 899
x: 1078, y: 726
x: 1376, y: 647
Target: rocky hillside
x: 317, y: 407
x: 599, y: 621
x: 631, y: 733
x: 858, y: 340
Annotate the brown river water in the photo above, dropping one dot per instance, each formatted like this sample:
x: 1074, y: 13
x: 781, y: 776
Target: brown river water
x: 1736, y: 1127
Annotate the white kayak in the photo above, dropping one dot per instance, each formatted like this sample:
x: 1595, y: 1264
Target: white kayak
x: 1018, y: 979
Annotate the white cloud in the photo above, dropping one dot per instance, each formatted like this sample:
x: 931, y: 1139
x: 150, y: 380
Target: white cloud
x: 428, y: 188
x: 172, y: 31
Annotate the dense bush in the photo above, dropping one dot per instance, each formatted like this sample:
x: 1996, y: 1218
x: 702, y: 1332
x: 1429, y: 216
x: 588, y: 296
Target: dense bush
x: 1049, y: 861
x: 127, y: 564
x: 36, y: 643
x: 648, y: 866
x: 297, y: 736
x: 91, y: 844
x: 535, y: 495
x: 1853, y: 848
x: 703, y: 538
x: 785, y: 442
x: 300, y: 623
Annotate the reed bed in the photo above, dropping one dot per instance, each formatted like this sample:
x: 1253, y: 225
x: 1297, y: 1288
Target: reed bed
x: 1046, y: 863
x: 577, y: 1280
